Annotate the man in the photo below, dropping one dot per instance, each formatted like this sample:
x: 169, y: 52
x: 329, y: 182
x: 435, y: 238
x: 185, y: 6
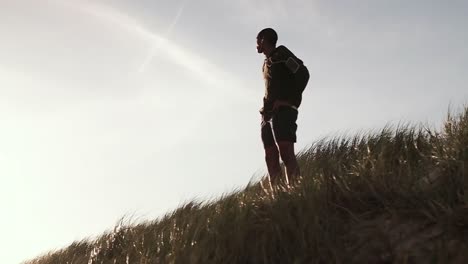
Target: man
x: 285, y: 78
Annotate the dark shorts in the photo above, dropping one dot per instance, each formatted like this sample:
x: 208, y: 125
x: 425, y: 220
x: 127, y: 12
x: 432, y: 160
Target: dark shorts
x: 284, y: 127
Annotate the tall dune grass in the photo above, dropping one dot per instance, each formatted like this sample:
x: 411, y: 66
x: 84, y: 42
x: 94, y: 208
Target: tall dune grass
x: 397, y: 196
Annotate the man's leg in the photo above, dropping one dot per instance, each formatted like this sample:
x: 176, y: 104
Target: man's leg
x: 271, y: 153
x: 273, y: 164
x: 284, y: 126
x: 288, y: 156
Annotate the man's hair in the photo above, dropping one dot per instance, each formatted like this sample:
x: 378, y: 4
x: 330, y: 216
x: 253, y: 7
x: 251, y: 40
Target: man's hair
x: 269, y: 35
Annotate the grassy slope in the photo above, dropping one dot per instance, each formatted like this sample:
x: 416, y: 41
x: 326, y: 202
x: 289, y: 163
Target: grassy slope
x: 394, y: 196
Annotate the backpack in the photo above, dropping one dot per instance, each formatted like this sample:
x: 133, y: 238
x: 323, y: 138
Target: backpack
x: 300, y: 75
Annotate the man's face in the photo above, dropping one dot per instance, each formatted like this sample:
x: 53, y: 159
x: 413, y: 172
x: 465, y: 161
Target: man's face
x: 260, y: 45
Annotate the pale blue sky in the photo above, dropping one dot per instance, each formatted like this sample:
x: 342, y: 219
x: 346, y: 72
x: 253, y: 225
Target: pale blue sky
x: 122, y: 107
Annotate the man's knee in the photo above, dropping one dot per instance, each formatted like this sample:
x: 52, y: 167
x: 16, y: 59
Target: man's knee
x: 286, y: 150
x: 271, y: 152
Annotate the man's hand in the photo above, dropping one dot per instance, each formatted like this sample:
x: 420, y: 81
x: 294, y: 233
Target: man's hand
x: 265, y: 116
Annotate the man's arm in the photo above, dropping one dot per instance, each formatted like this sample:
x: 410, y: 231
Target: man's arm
x: 275, y: 82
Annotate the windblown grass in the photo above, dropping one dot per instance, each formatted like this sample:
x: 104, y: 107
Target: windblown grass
x: 397, y: 196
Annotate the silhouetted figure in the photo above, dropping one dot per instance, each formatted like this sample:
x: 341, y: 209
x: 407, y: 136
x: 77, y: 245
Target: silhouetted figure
x: 285, y: 79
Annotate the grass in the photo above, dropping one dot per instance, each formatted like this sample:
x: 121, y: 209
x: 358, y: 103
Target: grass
x: 397, y: 196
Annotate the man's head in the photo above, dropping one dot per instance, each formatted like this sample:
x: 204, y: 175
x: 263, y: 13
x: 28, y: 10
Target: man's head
x: 266, y: 40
